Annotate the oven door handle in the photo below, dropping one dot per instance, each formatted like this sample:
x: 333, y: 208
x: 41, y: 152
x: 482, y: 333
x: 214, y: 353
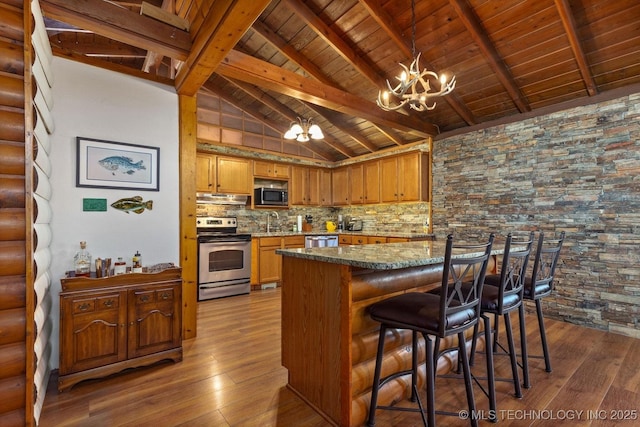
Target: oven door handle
x: 223, y: 239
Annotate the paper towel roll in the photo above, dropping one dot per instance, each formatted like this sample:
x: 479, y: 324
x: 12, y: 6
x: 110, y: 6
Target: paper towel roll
x: 299, y: 222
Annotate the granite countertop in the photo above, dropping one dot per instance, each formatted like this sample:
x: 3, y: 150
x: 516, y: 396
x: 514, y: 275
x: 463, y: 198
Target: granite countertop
x: 394, y: 255
x: 410, y: 235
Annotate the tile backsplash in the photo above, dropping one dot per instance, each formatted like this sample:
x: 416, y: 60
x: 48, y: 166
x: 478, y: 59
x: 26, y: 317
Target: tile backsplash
x: 399, y: 217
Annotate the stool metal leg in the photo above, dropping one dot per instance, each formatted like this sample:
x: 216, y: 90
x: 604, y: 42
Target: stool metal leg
x: 490, y: 367
x: 376, y: 378
x: 462, y: 348
x: 543, y: 336
x: 512, y: 355
x: 431, y: 380
x: 523, y: 347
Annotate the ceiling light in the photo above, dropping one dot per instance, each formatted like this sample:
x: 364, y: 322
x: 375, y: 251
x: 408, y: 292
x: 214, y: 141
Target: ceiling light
x: 414, y: 87
x: 303, y: 130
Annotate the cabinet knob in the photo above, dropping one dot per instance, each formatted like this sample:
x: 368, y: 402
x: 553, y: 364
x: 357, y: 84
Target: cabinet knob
x: 144, y: 298
x: 83, y: 307
x: 108, y: 303
x: 164, y: 295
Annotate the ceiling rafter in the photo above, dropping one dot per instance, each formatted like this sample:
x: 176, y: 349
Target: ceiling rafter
x: 332, y: 119
x: 335, y: 41
x: 389, y: 26
x: 285, y: 112
x: 473, y: 25
x: 154, y: 59
x: 564, y: 9
x: 260, y: 73
x: 225, y: 23
x: 315, y: 72
x: 112, y: 21
x: 254, y: 112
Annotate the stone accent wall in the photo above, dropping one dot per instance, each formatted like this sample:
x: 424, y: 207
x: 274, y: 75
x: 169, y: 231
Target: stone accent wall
x: 577, y: 170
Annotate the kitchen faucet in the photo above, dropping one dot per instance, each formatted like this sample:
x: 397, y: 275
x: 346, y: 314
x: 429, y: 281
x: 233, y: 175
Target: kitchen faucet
x: 274, y: 213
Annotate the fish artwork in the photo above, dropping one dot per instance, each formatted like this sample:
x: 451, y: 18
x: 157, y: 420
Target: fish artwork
x: 132, y: 204
x: 121, y: 164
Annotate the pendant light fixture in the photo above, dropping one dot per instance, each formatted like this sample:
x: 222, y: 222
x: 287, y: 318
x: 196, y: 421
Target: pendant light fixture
x: 303, y: 130
x: 414, y: 87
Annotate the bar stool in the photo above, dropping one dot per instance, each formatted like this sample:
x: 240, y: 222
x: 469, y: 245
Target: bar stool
x: 455, y: 310
x: 540, y: 284
x: 502, y: 294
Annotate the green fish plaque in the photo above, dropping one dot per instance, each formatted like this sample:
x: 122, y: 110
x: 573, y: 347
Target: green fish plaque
x: 132, y: 204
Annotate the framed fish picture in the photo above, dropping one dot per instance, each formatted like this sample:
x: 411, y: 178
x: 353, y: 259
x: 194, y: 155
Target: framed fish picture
x: 109, y: 164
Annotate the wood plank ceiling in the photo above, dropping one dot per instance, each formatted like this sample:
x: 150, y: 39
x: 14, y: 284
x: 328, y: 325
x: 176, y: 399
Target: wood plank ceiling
x: 327, y: 59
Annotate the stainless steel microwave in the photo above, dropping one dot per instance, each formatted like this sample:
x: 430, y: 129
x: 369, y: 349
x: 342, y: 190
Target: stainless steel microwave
x: 270, y: 197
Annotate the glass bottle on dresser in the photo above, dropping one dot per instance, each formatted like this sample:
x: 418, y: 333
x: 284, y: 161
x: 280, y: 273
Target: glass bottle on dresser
x: 82, y: 261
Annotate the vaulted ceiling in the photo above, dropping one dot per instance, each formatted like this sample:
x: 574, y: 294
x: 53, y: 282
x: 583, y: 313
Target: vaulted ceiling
x: 328, y: 59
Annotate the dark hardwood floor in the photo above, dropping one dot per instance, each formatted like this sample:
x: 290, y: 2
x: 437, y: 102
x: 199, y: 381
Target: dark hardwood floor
x: 231, y: 376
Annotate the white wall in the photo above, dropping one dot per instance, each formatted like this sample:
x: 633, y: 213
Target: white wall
x: 105, y: 105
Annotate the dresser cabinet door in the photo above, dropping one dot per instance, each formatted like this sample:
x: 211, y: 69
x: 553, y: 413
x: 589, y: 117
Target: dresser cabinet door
x: 92, y: 330
x: 154, y: 321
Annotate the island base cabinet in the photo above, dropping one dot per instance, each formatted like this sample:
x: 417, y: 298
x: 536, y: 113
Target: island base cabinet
x: 112, y: 324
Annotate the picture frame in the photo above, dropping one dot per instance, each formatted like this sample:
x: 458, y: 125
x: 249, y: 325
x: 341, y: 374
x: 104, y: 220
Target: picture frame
x: 110, y: 164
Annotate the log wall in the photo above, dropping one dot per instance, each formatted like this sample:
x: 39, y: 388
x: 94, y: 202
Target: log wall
x: 25, y: 123
x: 14, y: 375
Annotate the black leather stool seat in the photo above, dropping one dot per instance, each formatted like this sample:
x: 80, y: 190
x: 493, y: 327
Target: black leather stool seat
x: 540, y: 289
x: 419, y: 311
x: 491, y: 298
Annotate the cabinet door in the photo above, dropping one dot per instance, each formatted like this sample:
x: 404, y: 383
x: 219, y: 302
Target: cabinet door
x: 280, y: 170
x: 325, y: 187
x: 356, y: 176
x: 371, y: 173
x: 359, y: 240
x: 205, y: 173
x: 233, y: 176
x: 340, y: 186
x: 154, y: 318
x: 270, y: 264
x: 298, y: 188
x: 314, y: 186
x: 261, y: 168
x: 389, y: 180
x: 92, y: 330
x: 409, y: 177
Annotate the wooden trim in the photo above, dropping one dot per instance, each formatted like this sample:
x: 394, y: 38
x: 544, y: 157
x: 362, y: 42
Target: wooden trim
x: 188, y: 241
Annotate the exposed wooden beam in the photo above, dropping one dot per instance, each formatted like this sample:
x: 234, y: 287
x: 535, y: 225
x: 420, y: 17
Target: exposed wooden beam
x: 389, y: 26
x: 225, y: 23
x: 291, y: 53
x: 153, y: 60
x: 335, y: 123
x: 352, y: 57
x: 262, y: 74
x: 564, y: 10
x: 479, y: 36
x: 286, y: 112
x: 107, y: 65
x: 309, y: 67
x: 120, y: 24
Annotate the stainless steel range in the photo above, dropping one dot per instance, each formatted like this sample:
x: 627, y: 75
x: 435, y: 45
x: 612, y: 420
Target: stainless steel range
x: 224, y: 258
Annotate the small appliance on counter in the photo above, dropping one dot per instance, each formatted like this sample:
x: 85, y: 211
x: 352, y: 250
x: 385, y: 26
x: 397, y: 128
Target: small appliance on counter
x: 354, y: 225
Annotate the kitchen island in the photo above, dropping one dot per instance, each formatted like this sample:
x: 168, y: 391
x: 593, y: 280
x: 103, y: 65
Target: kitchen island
x: 329, y: 341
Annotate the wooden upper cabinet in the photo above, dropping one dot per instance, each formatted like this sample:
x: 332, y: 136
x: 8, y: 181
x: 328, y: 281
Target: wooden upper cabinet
x: 268, y: 169
x: 310, y: 186
x: 404, y: 178
x: 220, y: 174
x: 371, y: 180
x: 325, y: 187
x: 340, y: 186
x: 205, y: 173
x: 299, y: 186
x: 356, y: 176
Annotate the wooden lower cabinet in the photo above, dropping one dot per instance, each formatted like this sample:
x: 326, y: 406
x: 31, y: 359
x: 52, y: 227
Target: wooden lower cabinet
x: 120, y: 322
x: 268, y: 263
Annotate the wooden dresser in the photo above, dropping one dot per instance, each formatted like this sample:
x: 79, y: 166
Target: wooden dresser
x: 114, y: 323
